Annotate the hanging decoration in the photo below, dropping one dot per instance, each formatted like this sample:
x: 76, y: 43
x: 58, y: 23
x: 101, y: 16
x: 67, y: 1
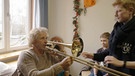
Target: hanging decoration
x: 88, y: 3
x: 78, y: 11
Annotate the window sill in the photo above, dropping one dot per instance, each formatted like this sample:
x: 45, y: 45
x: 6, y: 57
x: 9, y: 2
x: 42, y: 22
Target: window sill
x: 9, y: 57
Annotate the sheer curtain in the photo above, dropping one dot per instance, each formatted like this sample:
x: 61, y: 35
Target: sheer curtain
x: 40, y: 13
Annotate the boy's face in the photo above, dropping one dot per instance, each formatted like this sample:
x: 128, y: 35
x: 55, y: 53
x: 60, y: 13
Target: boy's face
x: 104, y: 42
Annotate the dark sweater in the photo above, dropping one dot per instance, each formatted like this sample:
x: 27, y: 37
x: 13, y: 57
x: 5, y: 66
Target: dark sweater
x: 121, y: 45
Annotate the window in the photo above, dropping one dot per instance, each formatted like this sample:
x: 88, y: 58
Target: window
x: 14, y: 24
x: 1, y: 46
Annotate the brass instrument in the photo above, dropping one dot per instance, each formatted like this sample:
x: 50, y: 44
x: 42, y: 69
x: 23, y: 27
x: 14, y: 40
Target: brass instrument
x: 76, y: 49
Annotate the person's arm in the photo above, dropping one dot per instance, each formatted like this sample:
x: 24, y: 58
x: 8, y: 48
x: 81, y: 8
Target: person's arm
x: 119, y: 63
x: 130, y: 64
x: 27, y: 66
x: 100, y: 56
x: 87, y: 55
x: 96, y: 56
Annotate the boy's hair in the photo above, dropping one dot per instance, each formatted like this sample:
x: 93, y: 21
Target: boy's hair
x: 105, y: 35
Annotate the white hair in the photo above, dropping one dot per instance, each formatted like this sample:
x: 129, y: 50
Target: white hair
x: 34, y: 34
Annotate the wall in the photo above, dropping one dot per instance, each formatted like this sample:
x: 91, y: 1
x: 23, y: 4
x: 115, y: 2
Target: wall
x: 98, y: 19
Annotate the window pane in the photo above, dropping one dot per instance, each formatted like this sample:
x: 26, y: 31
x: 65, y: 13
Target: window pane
x: 1, y: 26
x: 18, y: 22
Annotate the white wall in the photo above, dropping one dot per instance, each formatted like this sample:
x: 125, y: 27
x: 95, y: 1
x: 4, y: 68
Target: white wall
x: 98, y: 19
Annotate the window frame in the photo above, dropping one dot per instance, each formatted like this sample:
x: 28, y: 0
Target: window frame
x: 6, y: 27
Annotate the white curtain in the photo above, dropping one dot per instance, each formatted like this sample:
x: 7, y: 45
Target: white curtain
x: 40, y: 13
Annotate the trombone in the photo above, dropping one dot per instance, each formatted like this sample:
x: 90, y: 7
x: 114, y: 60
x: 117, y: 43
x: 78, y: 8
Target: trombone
x: 76, y: 49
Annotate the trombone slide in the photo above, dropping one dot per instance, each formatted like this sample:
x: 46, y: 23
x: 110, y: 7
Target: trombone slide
x: 91, y: 64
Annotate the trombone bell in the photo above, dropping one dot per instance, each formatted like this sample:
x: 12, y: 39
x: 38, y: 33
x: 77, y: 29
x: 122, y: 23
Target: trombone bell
x: 76, y: 47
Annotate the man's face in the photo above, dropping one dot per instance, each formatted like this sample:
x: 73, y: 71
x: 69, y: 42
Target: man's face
x: 122, y: 14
